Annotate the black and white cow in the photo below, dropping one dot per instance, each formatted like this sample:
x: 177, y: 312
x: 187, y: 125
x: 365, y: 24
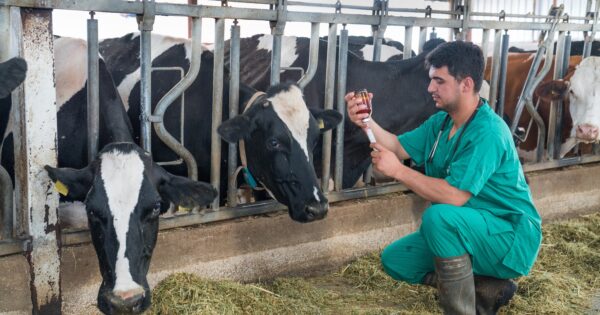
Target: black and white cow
x: 401, y: 100
x: 122, y: 189
x: 283, y: 112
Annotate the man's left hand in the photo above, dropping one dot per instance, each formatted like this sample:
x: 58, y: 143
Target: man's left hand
x: 385, y: 161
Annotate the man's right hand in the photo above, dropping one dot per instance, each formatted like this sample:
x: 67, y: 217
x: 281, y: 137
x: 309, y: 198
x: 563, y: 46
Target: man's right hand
x: 353, y: 105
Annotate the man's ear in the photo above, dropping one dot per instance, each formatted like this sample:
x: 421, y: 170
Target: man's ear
x: 185, y: 192
x: 553, y: 90
x: 70, y: 182
x: 234, y: 129
x: 327, y: 119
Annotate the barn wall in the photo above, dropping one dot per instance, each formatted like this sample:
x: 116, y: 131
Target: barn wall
x: 269, y: 246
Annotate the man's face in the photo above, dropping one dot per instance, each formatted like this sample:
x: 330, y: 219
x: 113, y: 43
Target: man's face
x: 444, y: 88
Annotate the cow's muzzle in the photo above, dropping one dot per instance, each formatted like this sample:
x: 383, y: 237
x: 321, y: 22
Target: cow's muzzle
x: 128, y: 302
x: 312, y: 211
x: 587, y: 133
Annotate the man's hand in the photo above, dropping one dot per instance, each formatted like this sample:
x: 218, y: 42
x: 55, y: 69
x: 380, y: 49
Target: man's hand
x: 354, y: 104
x: 385, y: 161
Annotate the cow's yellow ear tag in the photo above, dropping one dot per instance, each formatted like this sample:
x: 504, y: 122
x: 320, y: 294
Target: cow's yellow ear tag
x: 183, y: 209
x: 321, y: 124
x: 61, y: 188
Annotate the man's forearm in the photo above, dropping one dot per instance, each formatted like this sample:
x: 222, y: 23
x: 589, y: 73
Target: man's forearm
x: 432, y: 189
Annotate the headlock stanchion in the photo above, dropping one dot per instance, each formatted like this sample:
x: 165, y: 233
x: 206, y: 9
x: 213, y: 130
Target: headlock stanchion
x: 93, y: 96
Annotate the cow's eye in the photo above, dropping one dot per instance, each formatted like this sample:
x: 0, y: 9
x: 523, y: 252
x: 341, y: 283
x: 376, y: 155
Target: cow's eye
x: 274, y: 144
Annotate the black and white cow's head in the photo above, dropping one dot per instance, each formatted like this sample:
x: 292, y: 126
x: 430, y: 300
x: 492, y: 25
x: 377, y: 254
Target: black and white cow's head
x: 280, y: 133
x: 124, y: 192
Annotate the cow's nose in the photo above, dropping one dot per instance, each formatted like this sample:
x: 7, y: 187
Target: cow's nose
x: 587, y: 132
x: 127, y: 301
x: 316, y: 211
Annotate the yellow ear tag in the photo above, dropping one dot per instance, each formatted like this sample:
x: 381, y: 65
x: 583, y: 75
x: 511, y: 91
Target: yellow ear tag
x: 321, y: 124
x: 183, y: 209
x: 61, y: 188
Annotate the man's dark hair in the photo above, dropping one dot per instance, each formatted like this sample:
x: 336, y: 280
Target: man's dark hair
x: 463, y: 59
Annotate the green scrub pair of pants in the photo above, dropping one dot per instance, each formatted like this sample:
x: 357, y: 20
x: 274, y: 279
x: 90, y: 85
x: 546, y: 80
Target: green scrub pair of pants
x: 448, y: 231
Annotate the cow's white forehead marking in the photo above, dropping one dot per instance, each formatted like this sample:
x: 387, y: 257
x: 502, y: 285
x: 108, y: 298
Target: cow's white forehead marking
x: 159, y: 45
x: 70, y: 58
x: 122, y: 174
x: 288, y: 48
x: 585, y: 83
x: 291, y: 109
x: 316, y: 193
x: 387, y: 52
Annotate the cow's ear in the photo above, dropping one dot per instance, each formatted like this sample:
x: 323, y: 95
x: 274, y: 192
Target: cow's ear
x: 327, y: 119
x: 70, y: 182
x: 235, y: 129
x: 185, y: 192
x: 12, y: 73
x: 552, y: 91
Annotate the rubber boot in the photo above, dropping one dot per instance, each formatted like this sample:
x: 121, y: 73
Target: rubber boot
x: 493, y: 293
x: 456, y: 286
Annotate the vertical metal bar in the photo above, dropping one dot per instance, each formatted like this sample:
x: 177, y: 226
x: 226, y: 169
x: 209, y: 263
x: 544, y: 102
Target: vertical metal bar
x: 422, y: 37
x: 377, y: 42
x: 93, y: 89
x: 485, y: 46
x: 502, y: 76
x: 217, y: 110
x: 276, y: 59
x: 234, y: 98
x: 555, y: 105
x: 495, y: 68
x: 313, y: 56
x: 329, y: 90
x: 145, y: 24
x: 38, y: 148
x: 408, y: 33
x: 6, y: 202
x: 341, y: 107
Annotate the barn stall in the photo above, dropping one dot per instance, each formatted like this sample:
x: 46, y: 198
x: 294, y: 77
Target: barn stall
x: 46, y: 269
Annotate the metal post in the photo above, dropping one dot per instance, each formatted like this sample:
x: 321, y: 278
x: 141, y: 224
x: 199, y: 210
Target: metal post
x: 329, y: 90
x: 277, y: 28
x: 495, y: 69
x: 422, y: 37
x: 485, y: 46
x: 217, y: 109
x: 313, y: 56
x: 93, y: 89
x: 341, y: 107
x: 6, y: 204
x: 234, y: 98
x: 589, y: 38
x: 502, y: 76
x: 380, y: 9
x: 555, y: 106
x: 407, y: 53
x: 37, y: 199
x: 145, y: 24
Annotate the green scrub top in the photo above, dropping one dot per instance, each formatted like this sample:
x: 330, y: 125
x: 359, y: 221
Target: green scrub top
x: 486, y: 164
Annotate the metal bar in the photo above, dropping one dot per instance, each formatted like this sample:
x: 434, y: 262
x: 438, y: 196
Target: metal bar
x: 173, y: 94
x: 555, y: 106
x: 495, y: 77
x: 465, y: 20
x: 234, y: 98
x: 145, y: 24
x: 485, y: 46
x: 6, y: 204
x: 408, y: 34
x: 313, y: 56
x: 217, y: 109
x: 38, y: 145
x: 276, y: 59
x: 561, y: 163
x: 11, y: 247
x: 502, y: 76
x: 590, y: 38
x: 422, y: 37
x: 93, y: 89
x: 328, y: 103
x: 341, y: 107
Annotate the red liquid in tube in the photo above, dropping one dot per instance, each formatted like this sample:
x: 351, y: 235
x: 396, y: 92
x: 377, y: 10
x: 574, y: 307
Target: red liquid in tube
x: 364, y: 96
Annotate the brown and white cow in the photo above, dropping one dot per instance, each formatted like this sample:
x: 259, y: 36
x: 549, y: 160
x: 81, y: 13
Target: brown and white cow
x: 517, y: 68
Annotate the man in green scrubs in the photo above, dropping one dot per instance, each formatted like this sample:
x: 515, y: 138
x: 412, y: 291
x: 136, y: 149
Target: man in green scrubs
x: 482, y: 228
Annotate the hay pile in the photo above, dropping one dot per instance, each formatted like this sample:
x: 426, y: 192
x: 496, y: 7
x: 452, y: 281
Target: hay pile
x: 563, y: 281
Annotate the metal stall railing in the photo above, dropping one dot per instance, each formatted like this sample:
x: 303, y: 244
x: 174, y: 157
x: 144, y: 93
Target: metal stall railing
x: 278, y: 15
